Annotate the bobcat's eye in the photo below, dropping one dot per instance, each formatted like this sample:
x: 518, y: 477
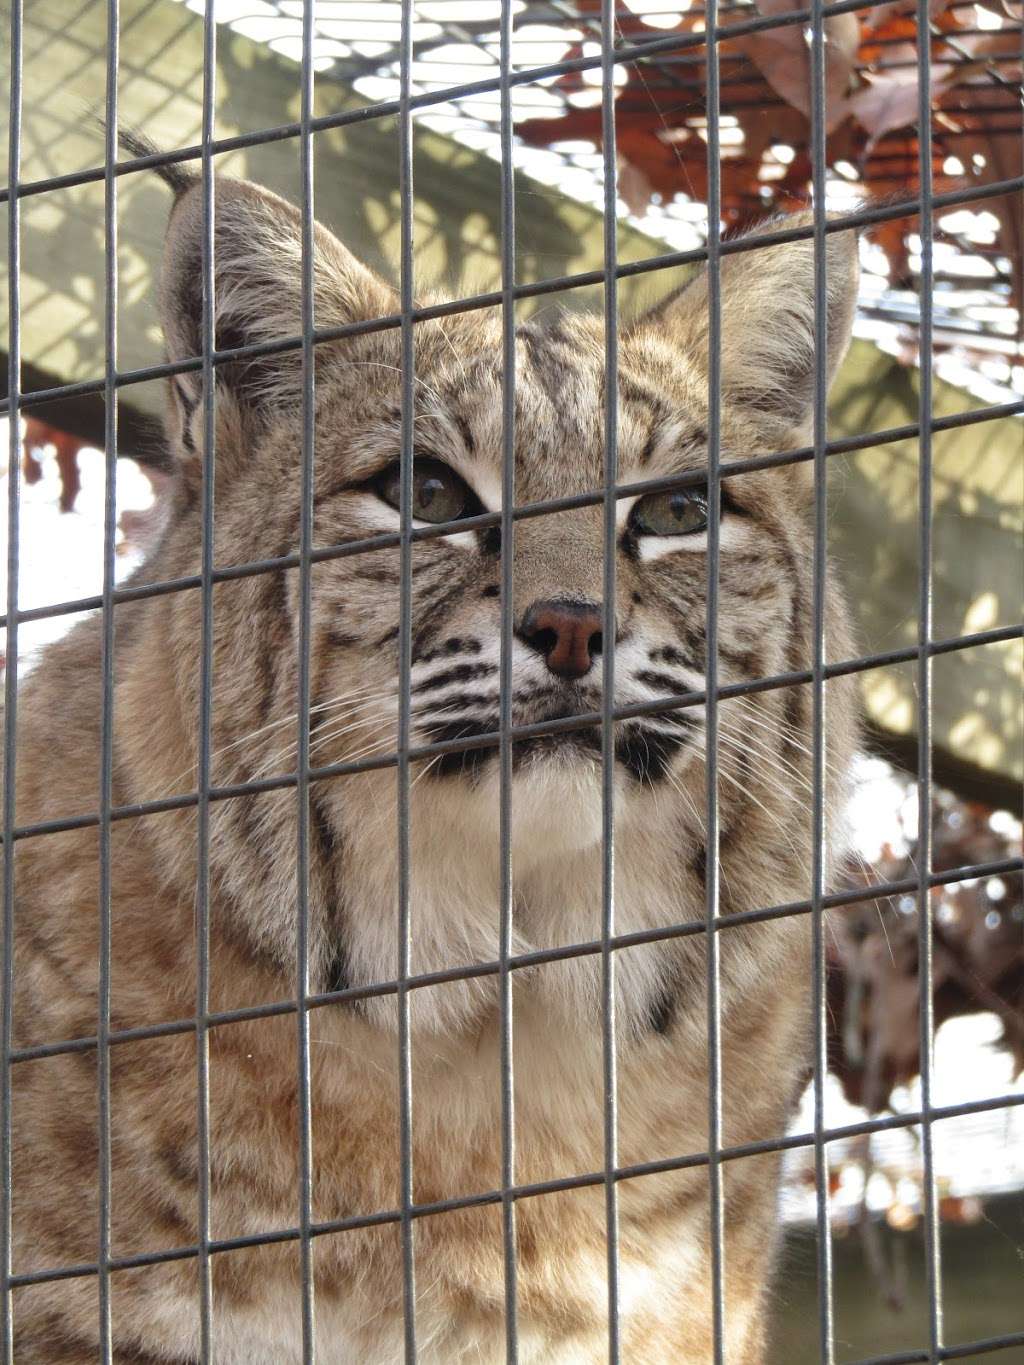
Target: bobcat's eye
x: 438, y: 493
x: 682, y: 512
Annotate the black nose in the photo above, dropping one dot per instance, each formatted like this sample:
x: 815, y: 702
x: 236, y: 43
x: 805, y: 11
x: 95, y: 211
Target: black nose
x: 567, y: 634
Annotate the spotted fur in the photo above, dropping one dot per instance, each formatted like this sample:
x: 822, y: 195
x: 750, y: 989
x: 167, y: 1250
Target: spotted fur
x: 660, y: 864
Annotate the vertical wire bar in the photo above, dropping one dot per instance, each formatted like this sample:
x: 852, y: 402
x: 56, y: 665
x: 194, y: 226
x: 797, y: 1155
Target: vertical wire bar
x: 826, y: 1324
x: 208, y: 341
x: 408, y: 344
x: 610, y: 508
x: 308, y: 322
x: 925, y: 977
x: 11, y: 678
x: 508, y: 493
x: 711, y: 940
x: 106, y: 775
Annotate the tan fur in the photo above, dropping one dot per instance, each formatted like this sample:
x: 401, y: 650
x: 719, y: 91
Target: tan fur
x: 765, y: 616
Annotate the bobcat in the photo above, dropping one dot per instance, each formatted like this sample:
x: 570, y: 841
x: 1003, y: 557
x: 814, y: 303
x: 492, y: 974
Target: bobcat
x: 255, y: 1114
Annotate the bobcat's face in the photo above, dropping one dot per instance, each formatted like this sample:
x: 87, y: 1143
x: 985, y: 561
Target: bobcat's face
x: 558, y: 644
x: 558, y: 649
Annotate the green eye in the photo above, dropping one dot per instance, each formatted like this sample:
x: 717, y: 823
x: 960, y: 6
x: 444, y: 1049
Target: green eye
x: 438, y: 494
x: 683, y: 512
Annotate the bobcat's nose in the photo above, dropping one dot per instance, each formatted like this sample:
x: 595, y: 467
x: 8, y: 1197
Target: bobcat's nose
x: 566, y: 634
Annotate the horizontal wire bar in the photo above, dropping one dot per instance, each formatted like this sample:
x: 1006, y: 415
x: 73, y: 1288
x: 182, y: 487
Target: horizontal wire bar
x: 536, y: 1189
x: 389, y: 108
x: 984, y: 1346
x: 844, y: 445
x: 866, y: 217
x: 559, y: 725
x: 981, y: 1347
x: 538, y: 957
x: 876, y: 40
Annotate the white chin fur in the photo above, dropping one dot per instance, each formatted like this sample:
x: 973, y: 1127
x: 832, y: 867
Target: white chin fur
x: 556, y: 808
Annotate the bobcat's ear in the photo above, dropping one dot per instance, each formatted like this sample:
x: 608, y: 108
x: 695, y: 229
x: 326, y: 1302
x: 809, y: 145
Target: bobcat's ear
x: 257, y: 291
x: 768, y: 340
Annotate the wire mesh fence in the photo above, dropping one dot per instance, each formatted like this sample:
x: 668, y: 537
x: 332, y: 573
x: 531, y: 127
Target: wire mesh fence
x: 718, y: 467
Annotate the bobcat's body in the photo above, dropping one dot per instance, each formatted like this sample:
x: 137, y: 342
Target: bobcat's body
x: 664, y: 1288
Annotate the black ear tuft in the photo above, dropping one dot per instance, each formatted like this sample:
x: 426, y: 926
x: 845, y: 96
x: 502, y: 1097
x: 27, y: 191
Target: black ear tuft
x: 173, y: 174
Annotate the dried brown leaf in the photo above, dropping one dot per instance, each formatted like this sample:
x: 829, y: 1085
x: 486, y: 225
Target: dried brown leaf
x: 784, y: 59
x: 876, y: 18
x: 38, y: 435
x: 634, y: 187
x: 888, y: 102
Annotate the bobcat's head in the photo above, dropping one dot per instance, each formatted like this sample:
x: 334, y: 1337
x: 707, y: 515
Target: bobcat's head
x: 558, y: 645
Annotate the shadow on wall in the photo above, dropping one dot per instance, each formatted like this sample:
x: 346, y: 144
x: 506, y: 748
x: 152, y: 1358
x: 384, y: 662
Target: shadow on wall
x: 976, y: 505
x: 981, y: 1285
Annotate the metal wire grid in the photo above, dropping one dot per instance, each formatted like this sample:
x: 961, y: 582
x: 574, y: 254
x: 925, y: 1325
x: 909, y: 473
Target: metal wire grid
x: 208, y: 334
x: 407, y: 1211
x: 408, y: 336
x: 105, y: 1172
x: 508, y: 491
x: 11, y: 680
x: 826, y: 1307
x: 716, y: 1221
